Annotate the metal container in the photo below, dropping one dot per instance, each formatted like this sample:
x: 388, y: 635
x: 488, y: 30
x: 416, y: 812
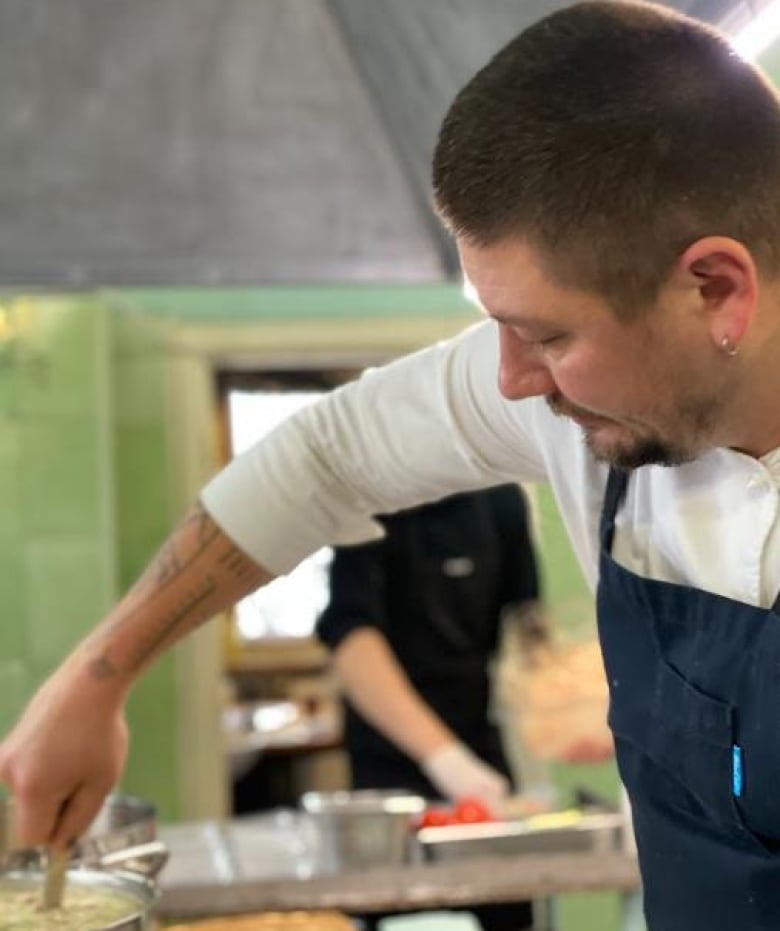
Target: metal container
x: 122, y: 822
x: 363, y: 829
x: 558, y: 832
x: 137, y: 889
x: 118, y: 853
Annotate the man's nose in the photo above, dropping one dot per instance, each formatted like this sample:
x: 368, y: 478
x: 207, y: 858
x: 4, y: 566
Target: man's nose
x: 521, y: 374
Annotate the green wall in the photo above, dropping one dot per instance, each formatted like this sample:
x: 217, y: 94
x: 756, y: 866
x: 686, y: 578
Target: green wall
x: 144, y: 515
x: 82, y: 489
x: 56, y: 533
x: 294, y: 302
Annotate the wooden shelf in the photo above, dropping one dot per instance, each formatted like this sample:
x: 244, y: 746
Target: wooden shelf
x: 279, y: 656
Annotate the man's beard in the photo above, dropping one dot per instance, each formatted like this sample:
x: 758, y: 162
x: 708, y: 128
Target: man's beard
x: 636, y: 450
x: 640, y: 452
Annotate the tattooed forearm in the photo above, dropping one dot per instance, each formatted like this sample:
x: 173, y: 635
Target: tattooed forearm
x: 197, y: 573
x: 166, y: 564
x: 239, y: 565
x: 168, y: 626
x: 206, y: 529
x: 102, y: 668
x: 186, y: 614
x: 170, y: 561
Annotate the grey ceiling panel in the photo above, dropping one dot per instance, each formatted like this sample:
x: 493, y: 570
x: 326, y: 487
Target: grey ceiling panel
x: 711, y: 11
x: 193, y: 141
x: 414, y: 56
x: 234, y: 141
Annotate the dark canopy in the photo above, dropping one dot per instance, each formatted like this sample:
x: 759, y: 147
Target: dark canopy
x: 233, y: 141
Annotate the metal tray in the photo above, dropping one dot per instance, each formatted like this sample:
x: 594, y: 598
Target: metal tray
x: 563, y: 832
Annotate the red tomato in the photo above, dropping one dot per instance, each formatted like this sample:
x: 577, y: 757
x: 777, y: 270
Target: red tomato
x: 472, y: 811
x: 436, y: 818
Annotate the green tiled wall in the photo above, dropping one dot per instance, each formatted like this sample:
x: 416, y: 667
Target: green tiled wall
x: 56, y: 532
x: 83, y: 478
x: 143, y: 520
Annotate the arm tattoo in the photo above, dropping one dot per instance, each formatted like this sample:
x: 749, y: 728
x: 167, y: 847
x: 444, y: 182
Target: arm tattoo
x: 166, y: 564
x: 102, y: 668
x: 238, y: 564
x: 171, y: 562
x: 192, y: 600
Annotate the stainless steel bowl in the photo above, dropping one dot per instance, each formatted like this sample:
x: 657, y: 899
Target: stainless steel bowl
x: 138, y: 890
x: 363, y: 829
x: 122, y: 822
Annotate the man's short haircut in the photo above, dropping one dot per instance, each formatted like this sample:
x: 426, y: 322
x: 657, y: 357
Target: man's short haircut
x: 610, y: 136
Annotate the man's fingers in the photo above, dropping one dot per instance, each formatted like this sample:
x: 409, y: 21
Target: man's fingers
x: 35, y: 817
x: 80, y: 811
x: 35, y: 808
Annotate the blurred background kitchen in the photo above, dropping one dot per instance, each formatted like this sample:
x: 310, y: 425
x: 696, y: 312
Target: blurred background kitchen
x: 212, y: 212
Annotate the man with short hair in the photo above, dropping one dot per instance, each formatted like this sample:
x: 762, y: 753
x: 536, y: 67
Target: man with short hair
x: 612, y: 179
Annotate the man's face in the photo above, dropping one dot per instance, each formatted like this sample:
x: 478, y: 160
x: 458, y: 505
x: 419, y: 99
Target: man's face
x: 643, y: 391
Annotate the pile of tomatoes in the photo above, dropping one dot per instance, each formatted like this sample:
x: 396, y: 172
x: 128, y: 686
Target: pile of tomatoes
x: 466, y: 811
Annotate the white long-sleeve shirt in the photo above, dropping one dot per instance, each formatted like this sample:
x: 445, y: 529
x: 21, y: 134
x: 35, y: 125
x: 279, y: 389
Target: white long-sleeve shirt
x: 434, y: 423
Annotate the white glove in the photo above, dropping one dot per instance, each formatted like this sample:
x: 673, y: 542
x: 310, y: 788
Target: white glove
x: 457, y: 773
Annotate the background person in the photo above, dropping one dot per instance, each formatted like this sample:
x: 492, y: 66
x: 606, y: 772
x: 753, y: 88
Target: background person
x: 413, y: 623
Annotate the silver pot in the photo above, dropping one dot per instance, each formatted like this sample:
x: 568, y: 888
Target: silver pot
x: 122, y: 822
x: 118, y: 853
x: 139, y: 891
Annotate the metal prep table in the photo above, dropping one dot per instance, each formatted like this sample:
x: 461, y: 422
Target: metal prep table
x: 265, y: 863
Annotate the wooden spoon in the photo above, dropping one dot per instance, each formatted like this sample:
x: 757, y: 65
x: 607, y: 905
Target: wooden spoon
x: 54, y: 880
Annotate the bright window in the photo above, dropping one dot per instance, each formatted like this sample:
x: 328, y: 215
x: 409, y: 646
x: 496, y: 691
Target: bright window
x: 290, y: 605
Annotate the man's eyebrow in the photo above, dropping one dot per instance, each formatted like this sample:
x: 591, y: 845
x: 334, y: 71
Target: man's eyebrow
x: 510, y: 319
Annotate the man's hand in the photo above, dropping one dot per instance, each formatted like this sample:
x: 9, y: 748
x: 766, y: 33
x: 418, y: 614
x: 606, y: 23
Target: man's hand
x: 68, y: 750
x: 457, y: 773
x: 61, y: 760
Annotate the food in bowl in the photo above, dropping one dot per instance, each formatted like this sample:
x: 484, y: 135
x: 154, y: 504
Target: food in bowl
x: 82, y: 909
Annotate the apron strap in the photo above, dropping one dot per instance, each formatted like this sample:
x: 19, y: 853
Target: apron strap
x: 616, y: 489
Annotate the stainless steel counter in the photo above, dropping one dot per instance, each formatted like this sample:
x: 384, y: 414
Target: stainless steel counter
x: 270, y: 862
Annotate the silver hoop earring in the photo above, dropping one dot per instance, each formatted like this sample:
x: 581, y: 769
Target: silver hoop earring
x: 727, y: 347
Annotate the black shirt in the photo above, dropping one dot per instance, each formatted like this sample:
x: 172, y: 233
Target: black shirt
x: 436, y: 587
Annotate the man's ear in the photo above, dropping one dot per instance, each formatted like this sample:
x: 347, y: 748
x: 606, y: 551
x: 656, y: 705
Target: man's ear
x: 726, y: 277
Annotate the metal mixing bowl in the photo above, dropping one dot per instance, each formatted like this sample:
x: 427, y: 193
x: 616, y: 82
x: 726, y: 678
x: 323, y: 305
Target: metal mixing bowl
x: 122, y: 822
x: 363, y: 829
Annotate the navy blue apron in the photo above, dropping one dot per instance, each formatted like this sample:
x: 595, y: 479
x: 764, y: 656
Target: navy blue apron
x: 695, y: 709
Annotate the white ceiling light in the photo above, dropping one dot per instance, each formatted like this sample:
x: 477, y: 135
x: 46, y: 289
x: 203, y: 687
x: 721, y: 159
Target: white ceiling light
x: 759, y: 33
